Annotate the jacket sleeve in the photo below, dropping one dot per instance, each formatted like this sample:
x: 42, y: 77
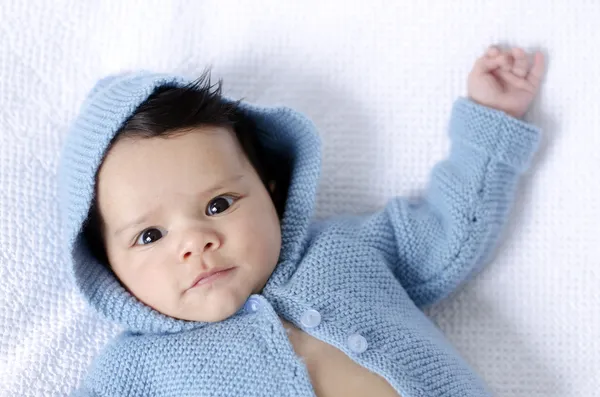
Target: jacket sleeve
x: 437, y: 241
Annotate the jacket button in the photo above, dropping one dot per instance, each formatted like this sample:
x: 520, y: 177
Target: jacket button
x: 357, y: 343
x: 310, y: 319
x: 252, y: 305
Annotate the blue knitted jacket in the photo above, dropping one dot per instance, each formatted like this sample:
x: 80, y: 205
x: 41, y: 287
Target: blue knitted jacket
x: 358, y: 283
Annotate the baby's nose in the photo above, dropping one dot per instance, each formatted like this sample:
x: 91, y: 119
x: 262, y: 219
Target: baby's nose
x: 198, y: 242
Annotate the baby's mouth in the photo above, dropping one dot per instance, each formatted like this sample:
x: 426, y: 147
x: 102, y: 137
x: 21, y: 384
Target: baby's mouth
x: 205, y: 278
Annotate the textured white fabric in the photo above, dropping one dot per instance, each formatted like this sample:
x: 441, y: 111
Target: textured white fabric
x: 378, y: 78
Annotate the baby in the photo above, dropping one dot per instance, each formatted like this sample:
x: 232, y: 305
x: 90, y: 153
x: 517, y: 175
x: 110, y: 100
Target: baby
x: 189, y: 221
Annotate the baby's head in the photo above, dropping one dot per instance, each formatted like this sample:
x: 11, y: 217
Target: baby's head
x: 185, y: 190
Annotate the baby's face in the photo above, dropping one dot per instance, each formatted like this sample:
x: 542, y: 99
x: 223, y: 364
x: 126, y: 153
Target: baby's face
x: 179, y: 207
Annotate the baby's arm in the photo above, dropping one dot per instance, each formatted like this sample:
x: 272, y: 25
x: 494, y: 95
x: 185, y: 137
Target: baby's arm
x: 435, y: 243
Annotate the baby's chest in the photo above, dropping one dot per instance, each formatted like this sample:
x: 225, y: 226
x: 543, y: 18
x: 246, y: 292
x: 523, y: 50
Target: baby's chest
x: 332, y: 373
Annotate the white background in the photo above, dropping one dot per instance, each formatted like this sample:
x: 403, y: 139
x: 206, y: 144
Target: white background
x: 378, y: 79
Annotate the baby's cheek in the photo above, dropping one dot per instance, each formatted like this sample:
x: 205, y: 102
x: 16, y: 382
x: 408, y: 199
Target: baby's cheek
x: 149, y: 276
x: 268, y: 243
x: 257, y: 239
x: 248, y: 246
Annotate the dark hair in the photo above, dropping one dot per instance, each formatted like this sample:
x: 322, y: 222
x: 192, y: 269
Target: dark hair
x: 171, y: 110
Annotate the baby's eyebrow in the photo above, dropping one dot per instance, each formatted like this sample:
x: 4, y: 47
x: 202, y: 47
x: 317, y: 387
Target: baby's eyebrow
x: 134, y: 223
x: 144, y: 217
x: 220, y: 185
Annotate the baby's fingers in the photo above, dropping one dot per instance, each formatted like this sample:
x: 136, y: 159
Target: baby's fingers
x: 530, y: 83
x: 521, y: 65
x: 517, y: 82
x: 490, y: 63
x: 537, y: 70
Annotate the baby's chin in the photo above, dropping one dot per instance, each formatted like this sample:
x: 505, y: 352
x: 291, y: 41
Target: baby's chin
x: 217, y: 306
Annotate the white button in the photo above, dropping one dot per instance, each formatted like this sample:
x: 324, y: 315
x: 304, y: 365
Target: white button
x: 310, y: 319
x: 252, y: 304
x: 357, y: 343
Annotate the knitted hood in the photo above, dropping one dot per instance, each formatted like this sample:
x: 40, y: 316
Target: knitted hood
x: 108, y: 105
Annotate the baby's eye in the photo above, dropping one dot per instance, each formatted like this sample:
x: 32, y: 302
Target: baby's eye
x: 219, y: 204
x: 150, y: 236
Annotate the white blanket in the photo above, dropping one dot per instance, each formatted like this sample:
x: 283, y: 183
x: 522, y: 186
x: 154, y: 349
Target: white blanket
x: 378, y: 78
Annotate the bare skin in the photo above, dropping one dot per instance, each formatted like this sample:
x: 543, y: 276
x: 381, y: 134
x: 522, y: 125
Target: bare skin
x: 332, y: 373
x: 506, y: 80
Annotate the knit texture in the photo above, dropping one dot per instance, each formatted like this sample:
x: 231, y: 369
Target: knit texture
x: 366, y: 275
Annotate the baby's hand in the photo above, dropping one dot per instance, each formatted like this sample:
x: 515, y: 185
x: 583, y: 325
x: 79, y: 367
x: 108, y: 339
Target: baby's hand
x: 504, y: 80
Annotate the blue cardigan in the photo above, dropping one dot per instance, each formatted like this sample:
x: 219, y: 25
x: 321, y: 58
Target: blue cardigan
x: 356, y: 282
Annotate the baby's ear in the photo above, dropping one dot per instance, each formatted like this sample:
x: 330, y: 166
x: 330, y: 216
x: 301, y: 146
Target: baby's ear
x: 272, y: 186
